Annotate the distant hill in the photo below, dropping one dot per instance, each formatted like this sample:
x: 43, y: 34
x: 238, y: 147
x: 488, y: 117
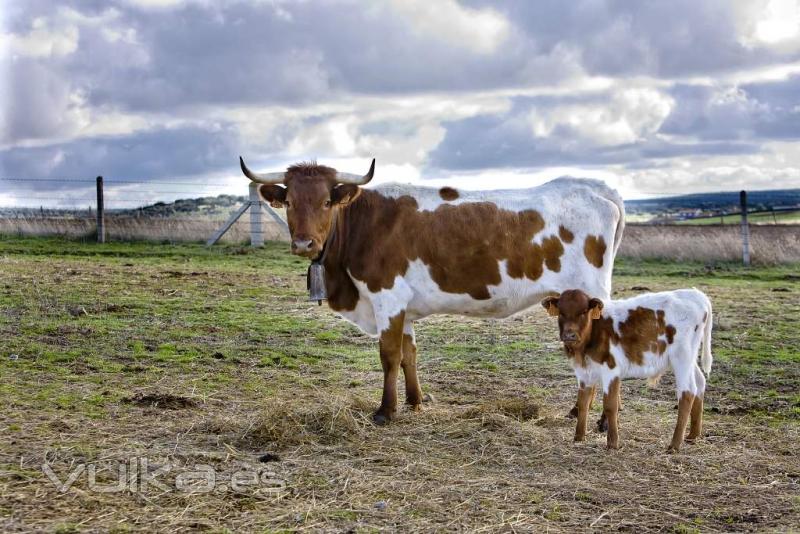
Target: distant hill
x: 716, y: 202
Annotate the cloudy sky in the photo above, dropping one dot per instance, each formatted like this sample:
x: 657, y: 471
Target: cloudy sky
x: 657, y: 97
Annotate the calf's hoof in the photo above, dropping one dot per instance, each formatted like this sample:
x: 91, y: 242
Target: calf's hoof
x: 414, y: 407
x: 578, y: 439
x: 380, y: 419
x: 612, y: 446
x: 602, y: 425
x: 673, y: 450
x: 573, y: 413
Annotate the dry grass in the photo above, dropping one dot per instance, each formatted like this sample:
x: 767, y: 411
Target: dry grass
x: 769, y: 245
x: 162, y: 230
x: 188, y: 356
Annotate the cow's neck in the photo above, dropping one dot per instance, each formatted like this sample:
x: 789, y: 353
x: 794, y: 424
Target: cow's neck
x: 342, y: 293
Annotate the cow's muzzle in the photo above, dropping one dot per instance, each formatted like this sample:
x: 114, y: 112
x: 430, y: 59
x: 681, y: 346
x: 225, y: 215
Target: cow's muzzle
x: 305, y: 247
x: 570, y: 338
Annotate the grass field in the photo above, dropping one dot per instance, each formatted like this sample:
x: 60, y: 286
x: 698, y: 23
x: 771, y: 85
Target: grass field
x: 210, y: 360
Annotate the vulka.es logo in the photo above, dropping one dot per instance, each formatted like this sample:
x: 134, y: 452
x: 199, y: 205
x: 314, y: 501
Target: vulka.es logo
x: 138, y: 475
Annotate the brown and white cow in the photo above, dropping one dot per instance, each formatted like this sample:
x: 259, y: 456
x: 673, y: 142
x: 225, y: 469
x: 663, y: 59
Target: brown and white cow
x: 639, y: 337
x: 398, y: 253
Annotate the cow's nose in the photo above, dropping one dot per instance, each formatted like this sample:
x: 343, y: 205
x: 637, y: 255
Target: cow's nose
x: 570, y: 336
x: 301, y: 245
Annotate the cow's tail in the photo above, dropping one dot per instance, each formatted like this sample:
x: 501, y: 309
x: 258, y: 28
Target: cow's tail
x: 705, y: 357
x: 617, y: 199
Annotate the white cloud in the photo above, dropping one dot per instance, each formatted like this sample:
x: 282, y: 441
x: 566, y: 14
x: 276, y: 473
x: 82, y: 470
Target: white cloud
x: 41, y: 41
x: 629, y: 116
x: 478, y: 30
x: 774, y: 24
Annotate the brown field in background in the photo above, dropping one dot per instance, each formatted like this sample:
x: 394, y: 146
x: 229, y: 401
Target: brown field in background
x: 770, y: 244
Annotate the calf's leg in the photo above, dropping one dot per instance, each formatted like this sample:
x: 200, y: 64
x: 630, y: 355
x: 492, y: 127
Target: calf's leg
x: 696, y: 424
x: 391, y: 348
x: 409, y: 365
x: 585, y: 395
x: 611, y: 411
x: 573, y: 413
x: 684, y: 407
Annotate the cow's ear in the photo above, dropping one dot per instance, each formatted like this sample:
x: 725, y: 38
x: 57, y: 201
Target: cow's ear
x: 345, y: 193
x: 595, y: 308
x: 274, y: 194
x: 551, y: 305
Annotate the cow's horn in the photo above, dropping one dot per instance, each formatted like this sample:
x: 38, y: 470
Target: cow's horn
x: 268, y: 178
x: 355, y: 179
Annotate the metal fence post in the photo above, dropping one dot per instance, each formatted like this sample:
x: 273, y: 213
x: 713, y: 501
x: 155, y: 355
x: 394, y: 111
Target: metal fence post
x: 745, y: 229
x: 101, y: 223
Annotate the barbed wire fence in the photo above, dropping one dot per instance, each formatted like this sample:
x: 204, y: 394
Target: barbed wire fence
x: 154, y: 210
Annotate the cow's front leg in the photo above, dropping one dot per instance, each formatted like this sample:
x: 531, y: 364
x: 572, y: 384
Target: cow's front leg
x: 409, y: 365
x: 391, y: 341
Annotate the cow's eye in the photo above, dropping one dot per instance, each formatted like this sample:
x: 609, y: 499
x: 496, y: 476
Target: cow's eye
x: 327, y: 203
x: 287, y: 204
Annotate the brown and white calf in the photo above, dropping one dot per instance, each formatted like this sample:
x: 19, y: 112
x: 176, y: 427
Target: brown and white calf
x: 639, y: 337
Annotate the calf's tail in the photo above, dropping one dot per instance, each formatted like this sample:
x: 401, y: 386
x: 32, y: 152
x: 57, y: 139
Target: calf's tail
x: 705, y: 357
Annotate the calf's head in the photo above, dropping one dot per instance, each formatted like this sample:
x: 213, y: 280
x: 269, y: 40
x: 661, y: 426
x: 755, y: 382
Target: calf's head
x: 311, y: 194
x: 575, y: 311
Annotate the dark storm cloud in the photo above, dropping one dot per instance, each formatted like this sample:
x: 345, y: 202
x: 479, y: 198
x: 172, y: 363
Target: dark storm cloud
x: 508, y: 140
x: 618, y: 37
x: 151, y: 155
x: 755, y: 112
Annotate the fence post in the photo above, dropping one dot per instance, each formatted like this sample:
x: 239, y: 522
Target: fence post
x: 101, y: 223
x: 256, y: 230
x: 745, y: 229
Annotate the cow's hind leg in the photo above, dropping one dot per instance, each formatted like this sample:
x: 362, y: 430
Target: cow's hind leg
x: 409, y: 365
x: 391, y: 341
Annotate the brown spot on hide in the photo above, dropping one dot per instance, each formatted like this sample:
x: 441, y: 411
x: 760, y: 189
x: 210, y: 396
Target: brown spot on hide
x: 594, y: 248
x: 448, y: 193
x: 640, y: 333
x: 565, y: 235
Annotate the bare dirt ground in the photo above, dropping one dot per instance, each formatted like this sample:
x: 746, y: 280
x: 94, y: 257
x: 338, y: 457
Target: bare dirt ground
x: 231, y: 404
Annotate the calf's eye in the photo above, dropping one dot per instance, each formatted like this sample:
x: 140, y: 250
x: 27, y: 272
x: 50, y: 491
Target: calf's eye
x: 327, y: 203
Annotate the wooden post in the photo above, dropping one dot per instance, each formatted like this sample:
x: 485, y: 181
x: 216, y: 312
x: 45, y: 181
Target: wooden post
x: 256, y: 230
x: 745, y: 229
x: 101, y: 223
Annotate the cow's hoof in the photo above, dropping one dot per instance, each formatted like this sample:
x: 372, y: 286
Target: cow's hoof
x: 612, y: 446
x: 428, y: 398
x: 573, y: 413
x: 602, y: 425
x: 380, y: 419
x: 414, y: 407
x: 672, y: 450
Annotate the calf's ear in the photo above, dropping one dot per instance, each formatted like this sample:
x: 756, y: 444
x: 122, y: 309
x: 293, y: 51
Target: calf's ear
x: 595, y: 308
x: 274, y: 194
x: 344, y: 193
x: 551, y: 305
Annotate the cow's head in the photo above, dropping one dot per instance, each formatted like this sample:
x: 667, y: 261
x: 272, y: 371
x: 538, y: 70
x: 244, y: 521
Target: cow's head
x: 575, y: 311
x: 311, y: 194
